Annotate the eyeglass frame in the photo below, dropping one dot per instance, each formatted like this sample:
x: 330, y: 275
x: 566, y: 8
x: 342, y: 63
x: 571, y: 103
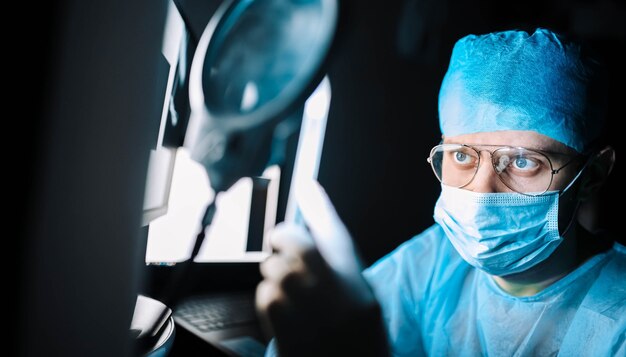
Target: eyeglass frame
x: 553, y: 171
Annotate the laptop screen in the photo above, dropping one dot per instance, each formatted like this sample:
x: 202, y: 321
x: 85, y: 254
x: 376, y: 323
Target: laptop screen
x: 247, y: 212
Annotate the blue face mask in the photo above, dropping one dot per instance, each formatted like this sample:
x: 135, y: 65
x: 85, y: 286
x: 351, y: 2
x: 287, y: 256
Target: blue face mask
x: 499, y: 233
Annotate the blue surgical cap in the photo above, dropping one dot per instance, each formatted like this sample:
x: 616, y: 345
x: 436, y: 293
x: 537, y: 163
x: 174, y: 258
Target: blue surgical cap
x: 512, y: 80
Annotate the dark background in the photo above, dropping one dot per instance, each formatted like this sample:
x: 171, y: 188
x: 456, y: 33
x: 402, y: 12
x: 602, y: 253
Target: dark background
x: 80, y: 78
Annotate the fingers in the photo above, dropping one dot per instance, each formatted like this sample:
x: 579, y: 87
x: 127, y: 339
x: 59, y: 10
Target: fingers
x: 268, y: 297
x: 276, y: 267
x: 295, y: 262
x: 272, y: 306
x: 288, y: 272
x: 291, y: 238
x: 290, y: 277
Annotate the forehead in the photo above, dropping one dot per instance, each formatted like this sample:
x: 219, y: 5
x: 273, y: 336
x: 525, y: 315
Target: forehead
x: 527, y: 139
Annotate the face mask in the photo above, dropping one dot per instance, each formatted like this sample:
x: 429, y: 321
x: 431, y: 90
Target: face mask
x: 499, y: 233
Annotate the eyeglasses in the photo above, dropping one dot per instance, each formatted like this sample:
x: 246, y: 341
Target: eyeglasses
x: 525, y: 171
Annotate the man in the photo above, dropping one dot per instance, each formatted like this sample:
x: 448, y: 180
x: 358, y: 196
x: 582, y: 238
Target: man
x: 513, y: 265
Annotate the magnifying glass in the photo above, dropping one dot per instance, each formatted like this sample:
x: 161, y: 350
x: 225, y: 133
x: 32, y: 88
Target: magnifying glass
x: 257, y: 61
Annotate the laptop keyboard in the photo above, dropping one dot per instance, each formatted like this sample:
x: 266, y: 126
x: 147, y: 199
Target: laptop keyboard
x: 215, y: 312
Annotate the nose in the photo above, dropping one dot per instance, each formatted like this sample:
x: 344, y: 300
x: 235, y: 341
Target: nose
x: 486, y: 179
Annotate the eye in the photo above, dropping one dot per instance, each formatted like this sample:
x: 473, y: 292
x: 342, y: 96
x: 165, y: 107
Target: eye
x: 462, y: 158
x: 524, y: 164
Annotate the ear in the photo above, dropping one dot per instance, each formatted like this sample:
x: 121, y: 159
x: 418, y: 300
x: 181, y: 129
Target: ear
x: 597, y: 171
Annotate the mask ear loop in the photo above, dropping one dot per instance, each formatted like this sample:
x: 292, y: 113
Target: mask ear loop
x: 571, y: 220
x: 589, y: 159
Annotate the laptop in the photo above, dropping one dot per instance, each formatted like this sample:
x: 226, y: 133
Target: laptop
x: 224, y: 319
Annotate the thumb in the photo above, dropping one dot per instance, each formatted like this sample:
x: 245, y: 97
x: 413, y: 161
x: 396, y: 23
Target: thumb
x: 329, y: 233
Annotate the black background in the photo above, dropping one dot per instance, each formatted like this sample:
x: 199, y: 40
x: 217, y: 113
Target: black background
x: 385, y: 77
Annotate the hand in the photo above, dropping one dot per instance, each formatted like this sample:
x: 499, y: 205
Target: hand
x: 313, y: 298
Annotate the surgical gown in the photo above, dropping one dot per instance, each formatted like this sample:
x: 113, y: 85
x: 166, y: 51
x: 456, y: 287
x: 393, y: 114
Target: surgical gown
x: 436, y: 304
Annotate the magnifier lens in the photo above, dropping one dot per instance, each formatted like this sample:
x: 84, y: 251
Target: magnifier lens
x: 264, y: 50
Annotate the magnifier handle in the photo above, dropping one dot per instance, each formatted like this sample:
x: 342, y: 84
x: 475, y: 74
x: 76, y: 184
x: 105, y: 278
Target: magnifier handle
x: 298, y: 219
x: 331, y: 237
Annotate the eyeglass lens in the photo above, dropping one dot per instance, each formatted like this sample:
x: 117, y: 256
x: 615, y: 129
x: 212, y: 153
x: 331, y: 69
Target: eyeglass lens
x: 522, y: 170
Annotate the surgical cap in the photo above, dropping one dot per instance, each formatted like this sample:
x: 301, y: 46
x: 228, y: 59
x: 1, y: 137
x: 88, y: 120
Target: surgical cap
x: 515, y: 81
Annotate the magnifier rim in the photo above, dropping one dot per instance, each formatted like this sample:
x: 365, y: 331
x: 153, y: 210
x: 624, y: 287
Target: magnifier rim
x: 273, y: 109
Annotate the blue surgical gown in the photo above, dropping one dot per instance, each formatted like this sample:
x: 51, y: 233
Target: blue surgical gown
x: 436, y: 304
